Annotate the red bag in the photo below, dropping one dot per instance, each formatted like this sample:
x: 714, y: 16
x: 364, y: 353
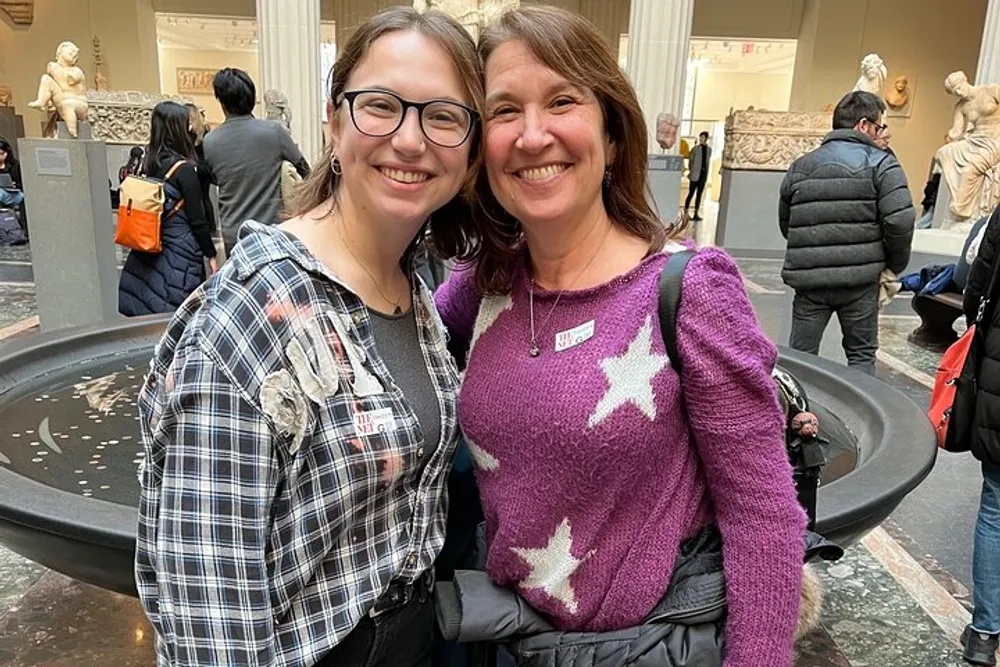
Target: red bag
x: 952, y: 414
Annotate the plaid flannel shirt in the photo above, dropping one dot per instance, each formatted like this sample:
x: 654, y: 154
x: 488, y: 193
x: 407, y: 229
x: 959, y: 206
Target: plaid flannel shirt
x: 280, y: 493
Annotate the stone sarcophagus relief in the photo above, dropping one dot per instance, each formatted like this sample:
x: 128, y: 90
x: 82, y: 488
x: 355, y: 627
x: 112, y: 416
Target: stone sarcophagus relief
x: 122, y: 117
x: 772, y: 140
x: 21, y: 12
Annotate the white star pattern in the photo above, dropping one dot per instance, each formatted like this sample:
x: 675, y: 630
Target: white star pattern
x: 552, y: 566
x: 630, y: 377
x: 489, y: 310
x: 484, y: 460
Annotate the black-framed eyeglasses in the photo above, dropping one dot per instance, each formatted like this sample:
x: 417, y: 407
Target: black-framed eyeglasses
x: 379, y: 113
x: 879, y: 127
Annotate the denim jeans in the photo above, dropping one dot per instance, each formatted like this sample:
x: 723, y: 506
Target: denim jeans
x: 986, y: 556
x: 11, y: 198
x: 399, y: 636
x: 857, y: 310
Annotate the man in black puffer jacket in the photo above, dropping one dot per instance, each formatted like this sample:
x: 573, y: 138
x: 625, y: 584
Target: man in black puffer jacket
x: 848, y: 214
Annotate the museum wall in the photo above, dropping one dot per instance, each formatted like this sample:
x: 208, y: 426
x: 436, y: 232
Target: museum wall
x: 171, y: 59
x: 127, y: 31
x: 924, y: 45
x: 718, y: 92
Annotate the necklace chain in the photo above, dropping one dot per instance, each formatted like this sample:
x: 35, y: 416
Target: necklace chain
x: 397, y: 310
x: 534, y: 350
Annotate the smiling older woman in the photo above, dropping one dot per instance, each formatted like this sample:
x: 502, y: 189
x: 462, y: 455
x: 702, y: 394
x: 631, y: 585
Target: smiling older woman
x: 602, y: 469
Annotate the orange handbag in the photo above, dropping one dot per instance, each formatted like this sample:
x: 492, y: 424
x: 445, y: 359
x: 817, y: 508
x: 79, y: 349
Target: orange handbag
x: 140, y: 212
x: 952, y: 415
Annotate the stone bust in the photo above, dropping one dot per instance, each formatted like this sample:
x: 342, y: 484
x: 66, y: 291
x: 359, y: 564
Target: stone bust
x: 63, y: 88
x: 6, y: 96
x: 899, y: 96
x: 666, y: 130
x: 873, y: 74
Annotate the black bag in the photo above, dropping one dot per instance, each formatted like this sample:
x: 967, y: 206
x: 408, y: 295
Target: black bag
x: 961, y: 433
x: 805, y: 454
x: 10, y: 229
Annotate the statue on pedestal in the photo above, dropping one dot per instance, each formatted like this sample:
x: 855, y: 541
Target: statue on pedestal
x: 62, y: 90
x: 873, y: 73
x: 666, y: 130
x: 276, y: 108
x: 973, y: 149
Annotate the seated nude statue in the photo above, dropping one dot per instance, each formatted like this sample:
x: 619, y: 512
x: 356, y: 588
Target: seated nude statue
x: 973, y: 147
x: 63, y: 88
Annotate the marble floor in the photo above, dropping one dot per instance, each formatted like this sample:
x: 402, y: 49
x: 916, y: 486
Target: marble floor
x: 900, y: 597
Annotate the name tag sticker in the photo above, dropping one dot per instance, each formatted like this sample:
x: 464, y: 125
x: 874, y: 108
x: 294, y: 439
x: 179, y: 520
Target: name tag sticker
x: 374, y: 421
x: 574, y: 336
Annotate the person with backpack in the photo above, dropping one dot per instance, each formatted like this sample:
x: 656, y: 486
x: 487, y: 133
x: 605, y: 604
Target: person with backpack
x: 613, y: 477
x: 982, y: 637
x: 158, y: 282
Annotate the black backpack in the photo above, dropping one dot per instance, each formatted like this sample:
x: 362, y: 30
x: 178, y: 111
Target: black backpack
x: 806, y: 454
x: 10, y: 229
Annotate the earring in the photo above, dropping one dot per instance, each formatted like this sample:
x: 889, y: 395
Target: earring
x: 335, y: 165
x: 607, y: 177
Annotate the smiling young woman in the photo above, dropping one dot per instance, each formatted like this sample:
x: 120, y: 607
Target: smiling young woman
x: 299, y: 419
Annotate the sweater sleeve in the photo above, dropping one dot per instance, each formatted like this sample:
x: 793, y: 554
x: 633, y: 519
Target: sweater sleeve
x: 738, y: 430
x: 458, y: 304
x: 188, y: 183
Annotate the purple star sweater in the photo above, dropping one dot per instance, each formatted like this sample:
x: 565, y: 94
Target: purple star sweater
x: 595, y: 460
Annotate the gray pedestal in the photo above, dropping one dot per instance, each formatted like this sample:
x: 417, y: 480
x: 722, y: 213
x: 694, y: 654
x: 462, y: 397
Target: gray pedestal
x: 748, y: 213
x: 72, y: 232
x: 665, y: 184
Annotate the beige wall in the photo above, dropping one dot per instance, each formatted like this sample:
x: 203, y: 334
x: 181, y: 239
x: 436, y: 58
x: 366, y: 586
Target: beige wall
x: 718, y: 92
x: 925, y: 45
x: 171, y: 59
x: 127, y: 31
x: 771, y: 19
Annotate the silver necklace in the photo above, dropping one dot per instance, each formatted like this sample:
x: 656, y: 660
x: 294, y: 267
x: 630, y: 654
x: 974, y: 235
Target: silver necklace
x: 534, y: 350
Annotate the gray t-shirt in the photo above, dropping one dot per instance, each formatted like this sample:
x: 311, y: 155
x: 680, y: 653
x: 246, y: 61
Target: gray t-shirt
x: 399, y: 346
x: 244, y: 156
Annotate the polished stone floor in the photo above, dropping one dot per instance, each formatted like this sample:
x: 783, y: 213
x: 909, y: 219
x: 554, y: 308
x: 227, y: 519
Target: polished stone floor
x: 898, y: 598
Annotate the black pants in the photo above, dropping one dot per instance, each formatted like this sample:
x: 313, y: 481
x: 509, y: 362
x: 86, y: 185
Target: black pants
x: 400, y: 635
x: 697, y: 187
x: 857, y: 311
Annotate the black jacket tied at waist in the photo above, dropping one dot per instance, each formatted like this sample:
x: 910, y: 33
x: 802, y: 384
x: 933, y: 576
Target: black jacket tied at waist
x: 684, y: 630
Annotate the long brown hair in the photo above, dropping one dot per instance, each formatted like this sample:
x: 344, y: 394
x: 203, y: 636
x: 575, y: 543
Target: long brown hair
x: 321, y: 184
x: 571, y: 46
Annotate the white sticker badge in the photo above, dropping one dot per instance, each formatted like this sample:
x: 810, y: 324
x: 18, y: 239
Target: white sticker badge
x: 575, y: 336
x: 374, y: 421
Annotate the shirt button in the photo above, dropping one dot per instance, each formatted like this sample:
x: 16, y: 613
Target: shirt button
x: 411, y: 560
x: 420, y: 452
x: 358, y: 317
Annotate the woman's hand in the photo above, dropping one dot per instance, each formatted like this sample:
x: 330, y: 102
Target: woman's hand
x: 213, y: 266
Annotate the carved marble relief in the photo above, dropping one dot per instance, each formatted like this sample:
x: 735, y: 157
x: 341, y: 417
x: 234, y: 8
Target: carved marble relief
x: 771, y: 140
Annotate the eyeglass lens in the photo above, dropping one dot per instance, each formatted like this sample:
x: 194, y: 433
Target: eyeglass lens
x: 379, y: 114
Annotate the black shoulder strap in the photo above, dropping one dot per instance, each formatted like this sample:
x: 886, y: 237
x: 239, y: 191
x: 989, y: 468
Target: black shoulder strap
x: 671, y: 281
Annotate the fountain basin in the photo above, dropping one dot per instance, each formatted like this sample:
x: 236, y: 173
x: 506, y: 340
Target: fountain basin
x: 73, y: 507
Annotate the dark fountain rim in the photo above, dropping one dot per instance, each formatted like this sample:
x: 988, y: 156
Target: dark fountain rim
x: 847, y: 508
x: 857, y: 502
x: 32, y: 504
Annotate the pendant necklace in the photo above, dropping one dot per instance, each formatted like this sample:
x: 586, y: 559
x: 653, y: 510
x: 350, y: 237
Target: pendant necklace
x: 534, y: 350
x: 397, y: 310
